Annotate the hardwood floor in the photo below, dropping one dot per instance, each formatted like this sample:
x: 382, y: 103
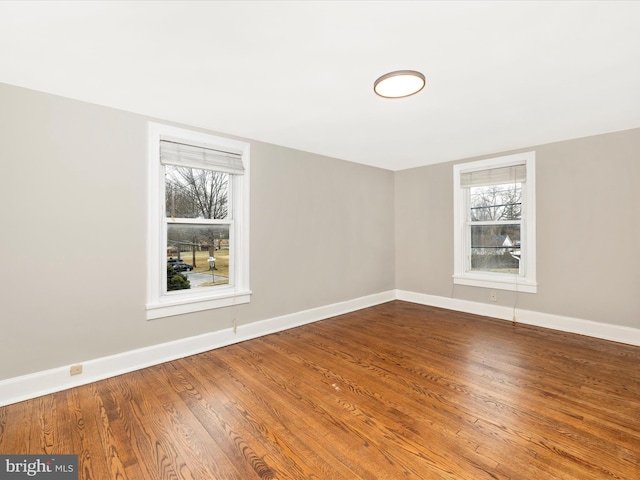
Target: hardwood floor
x: 397, y: 391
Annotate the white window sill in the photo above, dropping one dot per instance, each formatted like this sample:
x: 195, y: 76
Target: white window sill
x: 168, y: 306
x: 498, y: 282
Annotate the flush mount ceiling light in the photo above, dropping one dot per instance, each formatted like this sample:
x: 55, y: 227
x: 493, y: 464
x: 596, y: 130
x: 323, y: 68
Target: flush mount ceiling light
x: 401, y: 83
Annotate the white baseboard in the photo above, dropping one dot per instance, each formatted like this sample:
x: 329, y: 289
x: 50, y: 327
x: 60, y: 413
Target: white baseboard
x: 49, y: 381
x: 57, y: 379
x: 615, y: 333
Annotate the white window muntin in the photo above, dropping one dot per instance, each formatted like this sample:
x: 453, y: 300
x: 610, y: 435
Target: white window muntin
x: 525, y: 281
x: 161, y: 303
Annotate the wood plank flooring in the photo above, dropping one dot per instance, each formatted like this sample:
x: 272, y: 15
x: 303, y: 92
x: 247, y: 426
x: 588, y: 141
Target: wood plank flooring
x: 396, y: 391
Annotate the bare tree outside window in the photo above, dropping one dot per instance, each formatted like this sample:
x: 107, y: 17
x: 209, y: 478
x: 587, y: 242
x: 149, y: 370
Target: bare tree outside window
x: 495, y: 216
x: 496, y: 202
x: 192, y: 193
x: 195, y: 193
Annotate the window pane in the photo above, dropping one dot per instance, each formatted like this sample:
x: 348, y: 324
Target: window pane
x: 496, y: 202
x: 495, y: 248
x: 195, y: 193
x: 199, y: 254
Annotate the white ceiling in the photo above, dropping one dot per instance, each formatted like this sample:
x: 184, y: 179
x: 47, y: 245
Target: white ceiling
x: 500, y: 75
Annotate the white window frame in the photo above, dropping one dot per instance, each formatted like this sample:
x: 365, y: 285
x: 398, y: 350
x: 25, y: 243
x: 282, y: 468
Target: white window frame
x: 163, y: 304
x: 525, y: 281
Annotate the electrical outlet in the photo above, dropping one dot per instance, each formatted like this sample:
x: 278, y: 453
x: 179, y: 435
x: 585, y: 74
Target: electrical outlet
x: 75, y: 370
x: 493, y: 296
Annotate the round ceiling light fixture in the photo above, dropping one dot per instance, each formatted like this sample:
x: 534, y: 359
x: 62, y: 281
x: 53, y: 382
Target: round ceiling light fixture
x: 401, y: 83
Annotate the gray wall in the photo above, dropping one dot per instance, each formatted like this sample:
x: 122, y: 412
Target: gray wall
x: 73, y: 239
x: 588, y: 202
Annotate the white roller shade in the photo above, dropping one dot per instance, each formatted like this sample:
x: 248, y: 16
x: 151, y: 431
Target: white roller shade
x: 494, y: 176
x: 175, y: 153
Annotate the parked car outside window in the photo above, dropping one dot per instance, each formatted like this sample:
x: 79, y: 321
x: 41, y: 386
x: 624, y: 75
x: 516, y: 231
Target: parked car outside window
x: 179, y: 265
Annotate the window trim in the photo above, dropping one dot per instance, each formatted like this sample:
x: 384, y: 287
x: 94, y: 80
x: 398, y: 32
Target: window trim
x: 161, y: 305
x: 524, y: 282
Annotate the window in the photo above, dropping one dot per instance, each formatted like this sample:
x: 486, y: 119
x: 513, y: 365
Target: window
x: 198, y: 253
x: 494, y: 218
